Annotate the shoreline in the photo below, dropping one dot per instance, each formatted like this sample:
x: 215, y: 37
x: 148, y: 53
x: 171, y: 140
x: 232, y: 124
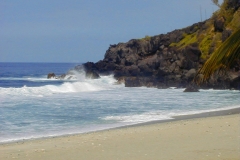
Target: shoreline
x: 222, y: 112
x: 212, y: 132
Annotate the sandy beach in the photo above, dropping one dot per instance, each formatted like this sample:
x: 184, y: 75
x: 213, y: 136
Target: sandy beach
x: 212, y: 137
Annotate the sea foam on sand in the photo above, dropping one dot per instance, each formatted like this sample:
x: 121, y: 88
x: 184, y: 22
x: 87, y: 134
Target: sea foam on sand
x: 203, y: 138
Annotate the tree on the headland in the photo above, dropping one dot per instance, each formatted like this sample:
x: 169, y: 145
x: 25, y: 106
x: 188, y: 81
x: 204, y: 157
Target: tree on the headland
x: 216, y: 3
x: 222, y: 59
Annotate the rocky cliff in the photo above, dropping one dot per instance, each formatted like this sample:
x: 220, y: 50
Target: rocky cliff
x: 173, y: 59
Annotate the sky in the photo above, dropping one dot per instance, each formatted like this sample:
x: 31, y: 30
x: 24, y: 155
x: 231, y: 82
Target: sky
x: 82, y: 30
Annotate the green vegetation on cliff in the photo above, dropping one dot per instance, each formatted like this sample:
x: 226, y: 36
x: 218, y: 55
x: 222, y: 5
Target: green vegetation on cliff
x: 210, y: 34
x: 224, y: 21
x: 188, y: 39
x: 227, y: 51
x: 223, y: 58
x: 215, y: 30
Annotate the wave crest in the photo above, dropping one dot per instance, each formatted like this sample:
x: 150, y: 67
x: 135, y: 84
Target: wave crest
x: 85, y: 85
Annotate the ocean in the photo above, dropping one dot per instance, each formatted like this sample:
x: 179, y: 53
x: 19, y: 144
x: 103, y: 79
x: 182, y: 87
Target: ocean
x: 32, y: 106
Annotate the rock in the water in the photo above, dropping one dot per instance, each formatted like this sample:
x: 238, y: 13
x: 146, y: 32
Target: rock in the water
x: 191, y: 89
x: 92, y: 75
x: 51, y: 75
x: 132, y: 82
x: 235, y: 83
x: 62, y: 76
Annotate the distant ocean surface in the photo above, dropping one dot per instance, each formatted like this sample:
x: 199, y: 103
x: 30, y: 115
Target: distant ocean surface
x: 32, y: 106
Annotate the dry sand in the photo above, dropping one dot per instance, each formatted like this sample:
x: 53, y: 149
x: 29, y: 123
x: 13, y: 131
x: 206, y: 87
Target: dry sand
x: 210, y: 138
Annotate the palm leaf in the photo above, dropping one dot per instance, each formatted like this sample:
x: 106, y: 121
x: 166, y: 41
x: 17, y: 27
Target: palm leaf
x: 223, y: 58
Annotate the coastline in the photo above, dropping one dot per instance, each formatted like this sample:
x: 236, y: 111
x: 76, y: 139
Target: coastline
x: 210, y: 113
x: 206, y: 114
x: 187, y: 136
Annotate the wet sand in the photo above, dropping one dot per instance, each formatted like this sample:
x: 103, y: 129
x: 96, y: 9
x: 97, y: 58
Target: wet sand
x: 206, y: 136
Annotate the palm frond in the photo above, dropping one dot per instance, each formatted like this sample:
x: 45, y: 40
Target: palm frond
x: 221, y: 59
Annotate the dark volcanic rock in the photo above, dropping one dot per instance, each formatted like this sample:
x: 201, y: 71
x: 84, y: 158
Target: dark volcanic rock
x: 235, y: 83
x: 157, y: 62
x: 92, y: 75
x: 219, y: 24
x: 225, y: 34
x: 132, y: 82
x: 62, y: 76
x: 233, y: 4
x: 191, y: 89
x: 51, y: 75
x: 90, y: 70
x: 192, y: 52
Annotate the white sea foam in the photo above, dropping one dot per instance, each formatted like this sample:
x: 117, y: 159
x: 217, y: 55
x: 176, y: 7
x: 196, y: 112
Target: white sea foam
x: 139, y: 118
x: 81, y: 85
x: 25, y: 78
x: 159, y: 115
x: 181, y: 113
x: 83, y: 105
x: 73, y: 87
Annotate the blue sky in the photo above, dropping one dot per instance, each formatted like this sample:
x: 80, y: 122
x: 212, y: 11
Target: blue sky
x: 82, y: 30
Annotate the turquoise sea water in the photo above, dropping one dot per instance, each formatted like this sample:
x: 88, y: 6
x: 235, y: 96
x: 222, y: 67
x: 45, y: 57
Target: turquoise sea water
x: 32, y: 106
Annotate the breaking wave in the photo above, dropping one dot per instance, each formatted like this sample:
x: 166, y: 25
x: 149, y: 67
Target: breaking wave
x: 69, y: 85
